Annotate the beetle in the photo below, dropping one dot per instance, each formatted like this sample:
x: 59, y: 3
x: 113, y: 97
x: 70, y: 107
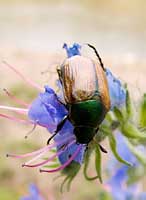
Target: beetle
x: 86, y: 95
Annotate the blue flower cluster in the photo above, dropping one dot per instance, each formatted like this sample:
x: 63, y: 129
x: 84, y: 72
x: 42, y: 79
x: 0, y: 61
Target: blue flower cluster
x: 34, y: 194
x: 118, y: 183
x: 48, y: 111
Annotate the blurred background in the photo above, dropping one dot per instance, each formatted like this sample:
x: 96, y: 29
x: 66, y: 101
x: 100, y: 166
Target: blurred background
x: 32, y: 34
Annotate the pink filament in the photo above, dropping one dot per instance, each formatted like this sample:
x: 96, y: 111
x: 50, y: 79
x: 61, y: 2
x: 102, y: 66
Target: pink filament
x: 16, y: 100
x: 15, y: 119
x: 20, y: 110
x: 65, y: 164
x: 49, y: 159
x: 31, y: 131
x: 44, y: 162
x: 40, y: 151
x: 27, y: 80
x: 21, y: 120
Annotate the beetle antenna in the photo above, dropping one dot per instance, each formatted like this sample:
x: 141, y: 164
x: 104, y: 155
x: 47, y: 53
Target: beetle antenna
x: 97, y: 54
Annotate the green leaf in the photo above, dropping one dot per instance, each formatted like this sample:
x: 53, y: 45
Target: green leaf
x: 63, y: 183
x: 98, y: 162
x: 129, y: 109
x: 119, y: 115
x: 131, y: 131
x: 142, y: 114
x: 104, y: 129
x: 115, y: 125
x: 86, y: 161
x: 138, y: 154
x: 135, y: 174
x: 109, y: 117
x: 52, y: 166
x: 103, y: 195
x: 113, y: 146
x: 70, y: 172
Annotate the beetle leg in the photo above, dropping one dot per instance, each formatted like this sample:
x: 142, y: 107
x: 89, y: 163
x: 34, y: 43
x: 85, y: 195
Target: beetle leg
x: 102, y: 149
x: 63, y: 147
x: 59, y: 72
x: 97, y: 54
x: 86, y: 149
x: 59, y: 127
x: 100, y: 146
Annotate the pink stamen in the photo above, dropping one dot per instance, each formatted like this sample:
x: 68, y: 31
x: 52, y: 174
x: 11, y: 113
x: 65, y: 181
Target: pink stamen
x: 46, y: 161
x: 16, y: 100
x: 20, y: 110
x: 15, y: 119
x: 65, y: 164
x: 42, y: 150
x: 31, y: 131
x: 27, y: 80
x: 22, y: 121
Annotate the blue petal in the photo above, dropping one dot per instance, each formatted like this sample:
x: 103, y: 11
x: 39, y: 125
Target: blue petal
x: 46, y: 110
x: 116, y: 90
x: 117, y: 183
x: 123, y: 149
x: 66, y: 132
x: 142, y: 196
x: 118, y: 188
x: 118, y: 178
x: 124, y: 153
x: 67, y: 129
x: 73, y: 50
x: 69, y: 150
x: 34, y: 194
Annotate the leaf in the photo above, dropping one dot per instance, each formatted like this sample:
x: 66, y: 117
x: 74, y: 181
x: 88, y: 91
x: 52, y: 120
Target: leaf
x: 129, y: 109
x: 113, y: 146
x: 138, y: 154
x: 103, y: 195
x: 131, y: 131
x: 104, y: 129
x: 98, y: 162
x: 119, y: 115
x: 142, y: 114
x: 63, y: 183
x: 52, y: 166
x: 86, y: 160
x: 135, y: 174
x: 70, y: 172
x: 109, y: 117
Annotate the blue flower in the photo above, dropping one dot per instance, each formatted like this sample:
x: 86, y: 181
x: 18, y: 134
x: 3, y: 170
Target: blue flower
x: 46, y: 110
x: 116, y: 90
x: 72, y: 51
x: 68, y: 151
x: 142, y: 196
x: 124, y: 151
x: 34, y: 194
x: 117, y: 184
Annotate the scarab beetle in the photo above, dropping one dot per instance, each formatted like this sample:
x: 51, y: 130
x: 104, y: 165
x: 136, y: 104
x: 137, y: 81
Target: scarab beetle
x: 86, y: 95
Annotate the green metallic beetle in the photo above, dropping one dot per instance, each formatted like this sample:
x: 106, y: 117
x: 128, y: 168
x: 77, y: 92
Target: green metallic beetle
x: 86, y: 95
